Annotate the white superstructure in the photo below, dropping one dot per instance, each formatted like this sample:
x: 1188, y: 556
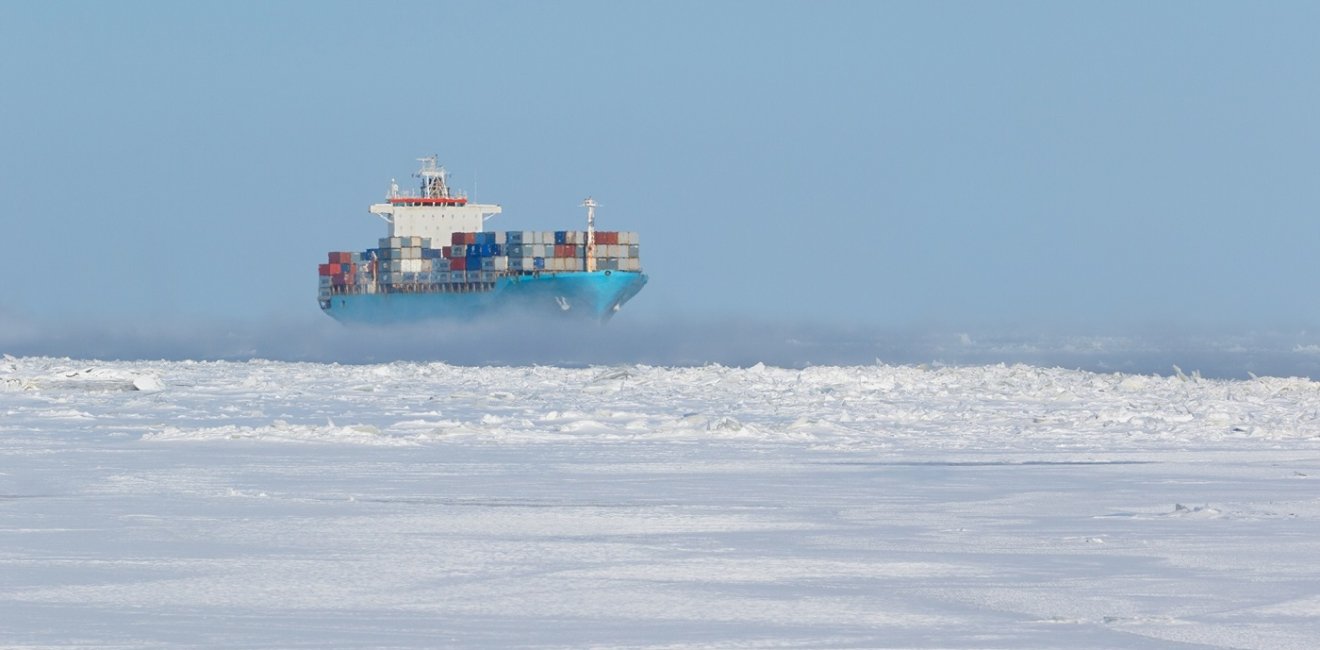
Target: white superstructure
x: 434, y: 212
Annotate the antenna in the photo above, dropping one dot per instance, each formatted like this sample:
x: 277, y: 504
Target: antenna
x: 591, y: 205
x: 433, y: 178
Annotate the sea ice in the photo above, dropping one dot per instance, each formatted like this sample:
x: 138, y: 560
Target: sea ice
x: 264, y: 504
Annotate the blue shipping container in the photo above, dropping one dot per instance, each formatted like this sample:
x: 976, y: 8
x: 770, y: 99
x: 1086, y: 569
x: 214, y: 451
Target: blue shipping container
x: 538, y: 262
x: 561, y: 236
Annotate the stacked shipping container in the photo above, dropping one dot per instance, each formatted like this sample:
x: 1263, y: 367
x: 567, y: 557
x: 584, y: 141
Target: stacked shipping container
x: 472, y: 261
x: 565, y: 250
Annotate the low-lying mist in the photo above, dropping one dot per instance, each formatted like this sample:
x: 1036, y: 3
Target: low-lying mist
x: 678, y: 342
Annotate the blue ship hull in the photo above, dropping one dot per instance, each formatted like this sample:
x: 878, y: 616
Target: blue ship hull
x: 592, y: 295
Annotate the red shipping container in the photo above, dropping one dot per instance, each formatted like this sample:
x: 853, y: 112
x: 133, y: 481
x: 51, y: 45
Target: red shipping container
x: 611, y: 238
x: 326, y: 269
x: 458, y: 264
x: 456, y: 239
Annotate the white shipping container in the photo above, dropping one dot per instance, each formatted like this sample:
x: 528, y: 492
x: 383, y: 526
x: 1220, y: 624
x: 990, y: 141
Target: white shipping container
x: 500, y: 238
x: 501, y: 263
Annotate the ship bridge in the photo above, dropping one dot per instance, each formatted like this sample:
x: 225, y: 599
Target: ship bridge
x: 434, y: 211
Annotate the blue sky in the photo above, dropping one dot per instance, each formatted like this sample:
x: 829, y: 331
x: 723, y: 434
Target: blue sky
x: 961, y: 165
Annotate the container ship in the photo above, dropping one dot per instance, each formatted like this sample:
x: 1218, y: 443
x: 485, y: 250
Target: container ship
x: 438, y: 262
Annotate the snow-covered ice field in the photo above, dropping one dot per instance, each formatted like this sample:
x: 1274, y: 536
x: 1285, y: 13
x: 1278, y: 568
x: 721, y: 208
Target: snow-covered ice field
x: 265, y: 504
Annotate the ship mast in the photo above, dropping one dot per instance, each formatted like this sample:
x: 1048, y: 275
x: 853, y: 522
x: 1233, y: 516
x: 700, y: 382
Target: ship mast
x: 433, y: 179
x: 590, y: 204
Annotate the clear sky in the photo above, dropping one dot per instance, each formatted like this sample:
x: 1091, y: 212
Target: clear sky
x: 955, y: 164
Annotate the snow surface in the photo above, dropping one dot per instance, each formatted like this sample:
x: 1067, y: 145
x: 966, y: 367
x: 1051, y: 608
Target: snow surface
x: 266, y: 504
